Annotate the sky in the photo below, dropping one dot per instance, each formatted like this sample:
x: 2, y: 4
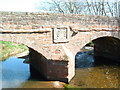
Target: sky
x: 23, y: 5
x: 18, y: 5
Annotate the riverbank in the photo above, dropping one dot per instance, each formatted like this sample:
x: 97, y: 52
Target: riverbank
x: 9, y: 49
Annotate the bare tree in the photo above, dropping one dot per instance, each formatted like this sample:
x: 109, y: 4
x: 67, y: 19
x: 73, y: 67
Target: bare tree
x: 65, y: 6
x: 99, y: 7
x: 118, y: 9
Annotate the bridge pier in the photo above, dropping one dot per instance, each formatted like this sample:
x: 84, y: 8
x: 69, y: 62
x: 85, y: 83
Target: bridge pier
x: 51, y: 69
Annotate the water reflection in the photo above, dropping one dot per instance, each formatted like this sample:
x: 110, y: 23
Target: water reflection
x: 95, y: 72
x: 90, y: 73
x: 14, y: 72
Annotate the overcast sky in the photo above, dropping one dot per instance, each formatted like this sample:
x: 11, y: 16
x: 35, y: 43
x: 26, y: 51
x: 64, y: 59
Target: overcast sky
x: 18, y: 5
x: 23, y: 5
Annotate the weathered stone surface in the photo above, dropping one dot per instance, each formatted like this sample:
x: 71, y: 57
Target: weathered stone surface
x: 56, y: 59
x: 26, y: 21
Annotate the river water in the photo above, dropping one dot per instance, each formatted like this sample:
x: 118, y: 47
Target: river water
x: 16, y: 74
x: 96, y: 72
x: 90, y: 73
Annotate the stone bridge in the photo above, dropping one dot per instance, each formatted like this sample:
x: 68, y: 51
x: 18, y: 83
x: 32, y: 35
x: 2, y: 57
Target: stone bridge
x: 54, y: 39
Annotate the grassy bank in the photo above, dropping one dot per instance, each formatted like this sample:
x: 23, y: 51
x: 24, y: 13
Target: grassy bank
x: 67, y: 86
x: 10, y: 48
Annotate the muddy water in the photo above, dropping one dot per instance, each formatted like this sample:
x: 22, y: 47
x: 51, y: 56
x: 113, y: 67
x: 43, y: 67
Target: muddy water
x: 95, y: 72
x: 90, y: 73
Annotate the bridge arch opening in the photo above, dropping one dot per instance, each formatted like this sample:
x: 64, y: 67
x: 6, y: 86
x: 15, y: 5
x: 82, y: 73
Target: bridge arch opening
x: 43, y: 67
x: 98, y: 65
x: 15, y: 72
x: 107, y: 47
x: 27, y: 54
x: 103, y: 49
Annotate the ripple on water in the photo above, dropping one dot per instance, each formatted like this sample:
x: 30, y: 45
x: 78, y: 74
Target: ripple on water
x: 92, y: 75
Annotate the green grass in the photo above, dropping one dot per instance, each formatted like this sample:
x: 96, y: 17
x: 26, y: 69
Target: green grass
x: 70, y: 87
x: 10, y: 48
x: 91, y: 44
x: 67, y: 87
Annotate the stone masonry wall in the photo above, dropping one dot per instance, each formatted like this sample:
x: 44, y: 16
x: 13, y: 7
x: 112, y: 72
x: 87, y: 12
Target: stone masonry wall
x: 27, y: 21
x: 50, y: 69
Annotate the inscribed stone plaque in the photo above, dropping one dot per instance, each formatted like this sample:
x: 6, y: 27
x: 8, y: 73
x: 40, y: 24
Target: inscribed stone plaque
x: 61, y: 34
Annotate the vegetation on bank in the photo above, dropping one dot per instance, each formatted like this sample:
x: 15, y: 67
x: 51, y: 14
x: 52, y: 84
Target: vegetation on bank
x: 10, y: 48
x: 67, y: 86
x: 91, y: 44
x: 71, y: 87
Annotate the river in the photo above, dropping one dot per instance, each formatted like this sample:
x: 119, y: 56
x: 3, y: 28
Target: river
x: 96, y: 72
x: 16, y: 74
x: 90, y: 73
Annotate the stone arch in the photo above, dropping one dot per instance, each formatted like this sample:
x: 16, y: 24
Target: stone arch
x: 93, y: 36
x: 31, y: 47
x: 25, y: 40
x: 78, y: 41
x: 107, y: 47
x: 38, y: 62
x: 40, y: 57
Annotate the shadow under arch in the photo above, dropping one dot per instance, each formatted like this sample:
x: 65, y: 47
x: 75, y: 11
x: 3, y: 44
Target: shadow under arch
x: 107, y: 47
x: 103, y: 50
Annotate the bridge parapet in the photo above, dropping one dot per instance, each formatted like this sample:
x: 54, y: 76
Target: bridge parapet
x: 30, y: 21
